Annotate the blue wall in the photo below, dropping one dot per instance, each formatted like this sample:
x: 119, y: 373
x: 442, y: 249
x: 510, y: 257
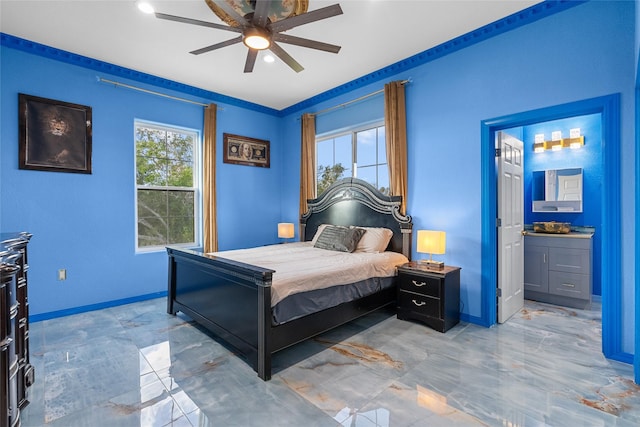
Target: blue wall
x: 636, y: 52
x: 86, y: 223
x: 589, y: 158
x: 542, y: 64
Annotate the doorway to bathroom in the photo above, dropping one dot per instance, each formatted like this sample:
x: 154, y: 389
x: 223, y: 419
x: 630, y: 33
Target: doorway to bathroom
x: 607, y: 108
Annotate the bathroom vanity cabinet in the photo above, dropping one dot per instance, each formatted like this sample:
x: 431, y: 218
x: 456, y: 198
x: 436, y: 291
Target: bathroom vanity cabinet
x: 558, y: 268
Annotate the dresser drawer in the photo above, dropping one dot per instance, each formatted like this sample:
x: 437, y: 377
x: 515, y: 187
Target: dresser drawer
x: 420, y: 284
x: 569, y: 284
x: 419, y: 304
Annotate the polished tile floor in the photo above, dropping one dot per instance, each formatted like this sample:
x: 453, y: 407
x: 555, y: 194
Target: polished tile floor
x: 134, y: 365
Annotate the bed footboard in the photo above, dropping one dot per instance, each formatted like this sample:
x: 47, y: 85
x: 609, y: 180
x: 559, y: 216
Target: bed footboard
x: 231, y: 299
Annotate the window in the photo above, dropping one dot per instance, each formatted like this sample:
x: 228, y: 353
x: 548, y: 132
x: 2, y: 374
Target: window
x: 359, y: 153
x: 166, y: 190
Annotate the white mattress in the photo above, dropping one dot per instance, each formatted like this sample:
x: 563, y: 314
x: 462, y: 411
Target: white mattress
x: 300, y: 267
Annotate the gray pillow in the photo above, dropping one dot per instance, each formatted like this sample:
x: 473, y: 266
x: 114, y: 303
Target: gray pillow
x: 341, y: 239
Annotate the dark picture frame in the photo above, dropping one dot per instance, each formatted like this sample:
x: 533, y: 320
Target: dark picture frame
x: 242, y: 150
x: 54, y: 135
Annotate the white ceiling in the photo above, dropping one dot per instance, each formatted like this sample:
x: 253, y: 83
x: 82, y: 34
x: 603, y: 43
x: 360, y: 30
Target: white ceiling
x: 373, y: 34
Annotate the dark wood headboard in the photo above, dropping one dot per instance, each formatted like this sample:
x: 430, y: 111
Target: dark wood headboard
x: 351, y: 201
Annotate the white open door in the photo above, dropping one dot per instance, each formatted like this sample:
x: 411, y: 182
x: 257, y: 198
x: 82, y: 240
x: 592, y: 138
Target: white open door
x: 510, y: 227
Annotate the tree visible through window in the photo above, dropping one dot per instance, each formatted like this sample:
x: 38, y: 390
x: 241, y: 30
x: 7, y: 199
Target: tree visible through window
x: 166, y: 185
x: 357, y: 153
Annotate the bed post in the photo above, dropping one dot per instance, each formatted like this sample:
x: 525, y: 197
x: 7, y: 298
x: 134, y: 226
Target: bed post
x: 406, y: 240
x: 171, y: 294
x: 263, y: 365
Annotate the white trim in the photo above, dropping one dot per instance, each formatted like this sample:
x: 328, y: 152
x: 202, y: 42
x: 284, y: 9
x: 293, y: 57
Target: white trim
x: 197, y: 181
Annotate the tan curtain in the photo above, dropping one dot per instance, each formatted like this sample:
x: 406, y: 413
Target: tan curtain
x: 210, y: 229
x: 395, y: 121
x: 307, y: 161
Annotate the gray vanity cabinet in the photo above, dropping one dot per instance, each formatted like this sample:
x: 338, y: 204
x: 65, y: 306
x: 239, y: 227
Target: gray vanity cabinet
x: 557, y: 269
x: 536, y: 270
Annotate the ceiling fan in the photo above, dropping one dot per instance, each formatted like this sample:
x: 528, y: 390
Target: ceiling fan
x: 259, y: 29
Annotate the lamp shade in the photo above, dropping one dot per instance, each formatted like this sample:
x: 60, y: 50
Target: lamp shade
x: 285, y: 230
x: 431, y: 242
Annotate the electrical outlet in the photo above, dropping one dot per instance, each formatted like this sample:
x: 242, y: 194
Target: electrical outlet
x: 62, y: 274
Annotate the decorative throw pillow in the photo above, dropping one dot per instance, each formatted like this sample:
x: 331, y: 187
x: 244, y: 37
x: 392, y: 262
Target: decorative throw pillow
x: 321, y: 227
x: 337, y: 238
x: 375, y: 240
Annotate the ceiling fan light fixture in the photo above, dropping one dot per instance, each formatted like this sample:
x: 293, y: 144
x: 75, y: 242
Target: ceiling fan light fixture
x: 256, y: 38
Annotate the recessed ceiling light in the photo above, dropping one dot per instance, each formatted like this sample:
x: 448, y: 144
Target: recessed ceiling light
x: 268, y: 58
x: 145, y: 7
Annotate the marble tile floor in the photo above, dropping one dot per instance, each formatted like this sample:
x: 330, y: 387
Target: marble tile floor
x: 135, y: 365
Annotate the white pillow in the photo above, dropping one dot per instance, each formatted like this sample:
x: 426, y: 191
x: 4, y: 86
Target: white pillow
x: 318, y: 233
x: 374, y: 240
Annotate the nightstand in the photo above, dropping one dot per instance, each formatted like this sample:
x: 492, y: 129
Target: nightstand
x: 429, y: 296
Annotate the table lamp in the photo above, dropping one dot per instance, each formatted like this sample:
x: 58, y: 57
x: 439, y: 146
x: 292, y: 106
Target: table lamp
x: 432, y: 242
x: 285, y: 230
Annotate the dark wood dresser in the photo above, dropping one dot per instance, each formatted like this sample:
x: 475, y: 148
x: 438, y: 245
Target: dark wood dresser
x: 16, y: 371
x: 429, y: 296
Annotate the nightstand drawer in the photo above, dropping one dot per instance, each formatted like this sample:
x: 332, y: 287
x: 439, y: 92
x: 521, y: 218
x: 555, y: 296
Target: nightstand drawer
x: 420, y: 304
x: 420, y: 284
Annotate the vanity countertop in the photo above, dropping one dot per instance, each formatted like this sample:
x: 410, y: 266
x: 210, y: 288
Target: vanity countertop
x: 570, y: 235
x: 577, y: 232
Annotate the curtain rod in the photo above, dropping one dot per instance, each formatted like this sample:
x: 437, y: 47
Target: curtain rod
x: 175, y: 98
x: 363, y: 97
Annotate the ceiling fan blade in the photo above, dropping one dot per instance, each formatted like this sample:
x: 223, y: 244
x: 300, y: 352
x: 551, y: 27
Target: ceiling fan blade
x: 251, y: 60
x: 286, y: 58
x: 217, y: 46
x: 299, y: 41
x: 305, y: 18
x: 233, y: 14
x: 261, y: 13
x: 196, y: 22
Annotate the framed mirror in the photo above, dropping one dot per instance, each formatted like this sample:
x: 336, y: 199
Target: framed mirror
x: 557, y: 190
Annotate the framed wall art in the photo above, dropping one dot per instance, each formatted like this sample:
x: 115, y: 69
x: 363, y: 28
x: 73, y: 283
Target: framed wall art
x: 54, y: 135
x: 242, y: 150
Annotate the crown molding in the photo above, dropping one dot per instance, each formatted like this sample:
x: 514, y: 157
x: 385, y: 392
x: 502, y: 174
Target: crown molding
x: 511, y: 22
x: 45, y: 51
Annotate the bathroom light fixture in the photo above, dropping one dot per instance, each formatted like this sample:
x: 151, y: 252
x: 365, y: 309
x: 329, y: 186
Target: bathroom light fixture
x: 557, y: 142
x: 573, y: 143
x: 539, y: 147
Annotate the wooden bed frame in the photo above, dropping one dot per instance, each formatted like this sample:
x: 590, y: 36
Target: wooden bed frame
x: 233, y: 300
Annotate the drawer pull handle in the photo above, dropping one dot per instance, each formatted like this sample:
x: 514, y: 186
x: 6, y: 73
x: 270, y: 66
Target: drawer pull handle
x: 569, y: 285
x: 418, y: 304
x: 418, y: 284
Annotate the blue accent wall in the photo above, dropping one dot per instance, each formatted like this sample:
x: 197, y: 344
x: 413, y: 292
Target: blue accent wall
x: 636, y: 51
x: 86, y: 223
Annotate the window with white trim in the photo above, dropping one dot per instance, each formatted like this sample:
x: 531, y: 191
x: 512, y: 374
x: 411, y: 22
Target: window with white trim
x: 166, y: 186
x: 358, y: 153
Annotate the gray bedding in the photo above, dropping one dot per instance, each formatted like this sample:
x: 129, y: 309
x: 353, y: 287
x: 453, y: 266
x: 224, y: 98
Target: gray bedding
x: 303, y: 303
